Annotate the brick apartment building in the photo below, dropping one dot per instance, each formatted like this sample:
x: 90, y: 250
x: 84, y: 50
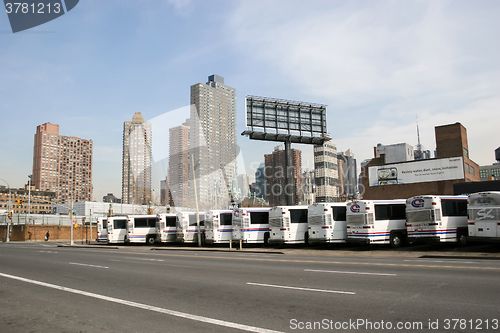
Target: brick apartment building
x: 432, y: 176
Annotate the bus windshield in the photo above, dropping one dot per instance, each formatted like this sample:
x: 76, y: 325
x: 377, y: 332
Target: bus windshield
x: 339, y: 213
x: 226, y: 219
x: 119, y: 224
x: 298, y: 215
x: 259, y: 217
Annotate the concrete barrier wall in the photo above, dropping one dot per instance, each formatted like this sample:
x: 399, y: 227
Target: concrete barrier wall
x: 32, y: 233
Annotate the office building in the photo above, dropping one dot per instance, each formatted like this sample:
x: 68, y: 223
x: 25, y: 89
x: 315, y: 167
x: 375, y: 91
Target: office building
x: 348, y: 171
x: 212, y: 139
x: 326, y: 173
x: 111, y: 198
x: 275, y: 172
x: 400, y: 152
x: 62, y: 164
x: 137, y: 161
x: 40, y: 201
x: 308, y: 188
x: 260, y: 182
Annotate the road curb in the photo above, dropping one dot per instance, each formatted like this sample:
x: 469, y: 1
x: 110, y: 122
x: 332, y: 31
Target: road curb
x: 459, y: 257
x: 89, y: 246
x: 215, y: 250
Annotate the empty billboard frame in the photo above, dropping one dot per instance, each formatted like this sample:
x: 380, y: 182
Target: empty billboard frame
x: 285, y: 117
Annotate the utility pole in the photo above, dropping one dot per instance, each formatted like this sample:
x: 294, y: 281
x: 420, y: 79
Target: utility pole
x: 90, y: 226
x: 71, y: 218
x: 196, y: 202
x: 10, y: 211
x: 29, y: 198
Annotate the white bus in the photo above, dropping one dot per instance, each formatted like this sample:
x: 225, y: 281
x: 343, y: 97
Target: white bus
x: 141, y: 229
x: 166, y: 228
x: 218, y: 226
x: 102, y: 229
x: 484, y: 216
x: 251, y: 225
x: 187, y: 229
x: 327, y: 223
x: 288, y: 224
x: 376, y: 222
x: 433, y: 218
x: 117, y: 229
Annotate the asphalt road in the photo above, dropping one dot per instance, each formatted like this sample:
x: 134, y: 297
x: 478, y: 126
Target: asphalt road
x: 45, y: 288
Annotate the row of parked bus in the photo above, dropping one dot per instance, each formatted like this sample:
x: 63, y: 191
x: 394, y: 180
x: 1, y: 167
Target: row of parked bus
x: 427, y: 218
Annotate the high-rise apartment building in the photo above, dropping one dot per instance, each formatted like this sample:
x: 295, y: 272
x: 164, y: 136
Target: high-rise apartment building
x: 275, y: 171
x: 326, y: 172
x: 178, y: 165
x: 62, y: 164
x: 136, y: 161
x: 212, y: 138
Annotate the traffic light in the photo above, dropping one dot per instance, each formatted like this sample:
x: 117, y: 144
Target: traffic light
x: 19, y: 202
x: 10, y: 214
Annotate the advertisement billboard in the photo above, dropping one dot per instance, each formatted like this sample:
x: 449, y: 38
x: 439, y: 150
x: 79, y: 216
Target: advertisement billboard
x: 278, y: 115
x: 417, y: 172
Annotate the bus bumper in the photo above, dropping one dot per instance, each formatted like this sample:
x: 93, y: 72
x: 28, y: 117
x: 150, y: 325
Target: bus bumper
x: 424, y: 240
x: 358, y: 240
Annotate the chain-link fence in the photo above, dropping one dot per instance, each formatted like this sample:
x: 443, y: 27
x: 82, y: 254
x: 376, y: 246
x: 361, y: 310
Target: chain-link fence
x: 44, y: 219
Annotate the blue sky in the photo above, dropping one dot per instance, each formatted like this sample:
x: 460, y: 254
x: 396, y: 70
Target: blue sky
x: 376, y: 64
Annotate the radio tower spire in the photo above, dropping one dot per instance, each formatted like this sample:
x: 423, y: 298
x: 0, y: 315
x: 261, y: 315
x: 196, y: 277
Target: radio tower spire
x: 419, y: 153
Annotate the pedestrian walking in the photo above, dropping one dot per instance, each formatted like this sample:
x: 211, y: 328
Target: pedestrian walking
x: 47, y: 235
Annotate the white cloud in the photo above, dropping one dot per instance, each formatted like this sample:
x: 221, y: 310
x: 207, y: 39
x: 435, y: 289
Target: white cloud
x: 379, y: 64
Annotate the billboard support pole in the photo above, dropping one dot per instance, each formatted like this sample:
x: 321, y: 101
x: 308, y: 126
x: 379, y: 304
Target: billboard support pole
x: 289, y: 174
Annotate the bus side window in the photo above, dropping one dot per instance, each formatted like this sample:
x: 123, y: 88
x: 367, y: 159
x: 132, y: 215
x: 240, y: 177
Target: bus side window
x: 397, y: 212
x: 381, y: 212
x: 454, y: 207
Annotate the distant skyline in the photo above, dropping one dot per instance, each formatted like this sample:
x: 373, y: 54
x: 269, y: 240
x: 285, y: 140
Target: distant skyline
x: 377, y: 65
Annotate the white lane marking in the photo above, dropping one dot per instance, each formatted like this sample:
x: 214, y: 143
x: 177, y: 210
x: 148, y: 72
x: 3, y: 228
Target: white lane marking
x: 452, y: 260
x: 75, y: 263
x: 306, y: 289
x: 47, y: 251
x: 147, y: 307
x: 342, y: 272
x: 257, y: 255
x: 146, y: 259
